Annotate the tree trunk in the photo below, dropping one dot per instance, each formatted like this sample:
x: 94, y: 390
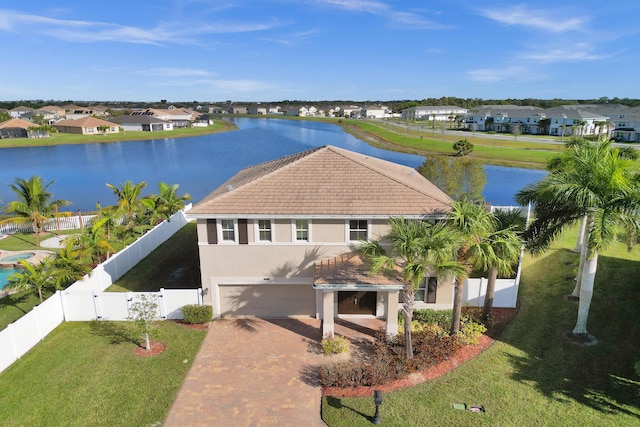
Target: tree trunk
x: 586, y: 292
x: 581, y: 235
x: 582, y: 244
x: 488, y: 297
x: 457, y: 307
x: 147, y: 343
x: 407, y: 309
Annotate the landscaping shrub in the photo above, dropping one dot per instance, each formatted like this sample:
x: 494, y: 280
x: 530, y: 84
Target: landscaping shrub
x: 388, y: 362
x: 334, y: 345
x: 470, y: 330
x: 196, y: 314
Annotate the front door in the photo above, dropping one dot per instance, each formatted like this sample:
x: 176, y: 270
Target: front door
x: 359, y: 302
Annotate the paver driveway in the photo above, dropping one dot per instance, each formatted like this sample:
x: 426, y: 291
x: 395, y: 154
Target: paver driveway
x: 253, y: 372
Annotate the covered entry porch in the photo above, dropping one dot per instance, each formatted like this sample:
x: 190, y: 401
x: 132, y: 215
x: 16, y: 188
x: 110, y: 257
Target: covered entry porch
x: 349, y: 290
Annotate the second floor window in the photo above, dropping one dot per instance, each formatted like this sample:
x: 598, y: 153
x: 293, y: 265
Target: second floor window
x: 302, y: 230
x: 264, y: 230
x: 358, y: 229
x: 228, y: 230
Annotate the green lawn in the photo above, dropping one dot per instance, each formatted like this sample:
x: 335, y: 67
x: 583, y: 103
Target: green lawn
x: 173, y: 265
x: 85, y: 374
x: 67, y: 138
x: 532, y: 376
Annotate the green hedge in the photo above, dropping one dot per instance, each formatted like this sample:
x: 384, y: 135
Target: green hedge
x: 196, y: 314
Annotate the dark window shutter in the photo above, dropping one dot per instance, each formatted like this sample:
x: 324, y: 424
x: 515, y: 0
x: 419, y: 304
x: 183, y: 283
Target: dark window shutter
x: 432, y: 287
x: 243, y: 237
x: 212, y: 232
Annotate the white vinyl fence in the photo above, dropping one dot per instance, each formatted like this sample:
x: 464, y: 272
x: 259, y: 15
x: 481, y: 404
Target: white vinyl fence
x: 85, y: 299
x: 61, y: 223
x: 505, y: 296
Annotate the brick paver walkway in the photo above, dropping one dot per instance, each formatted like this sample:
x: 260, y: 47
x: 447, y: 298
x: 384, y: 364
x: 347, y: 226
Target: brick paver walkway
x: 253, y: 372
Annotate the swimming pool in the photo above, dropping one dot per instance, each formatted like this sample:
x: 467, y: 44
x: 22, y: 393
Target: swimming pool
x: 4, y: 276
x: 17, y: 257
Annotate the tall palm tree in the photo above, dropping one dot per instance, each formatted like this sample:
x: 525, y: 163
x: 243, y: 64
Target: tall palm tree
x: 417, y: 248
x: 506, y: 244
x: 128, y: 195
x: 34, y: 202
x: 93, y: 244
x: 38, y: 277
x: 474, y: 224
x: 599, y: 182
x: 166, y: 202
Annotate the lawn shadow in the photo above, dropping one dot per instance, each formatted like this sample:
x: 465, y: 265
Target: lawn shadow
x: 13, y: 300
x: 600, y: 376
x: 116, y: 332
x: 336, y: 403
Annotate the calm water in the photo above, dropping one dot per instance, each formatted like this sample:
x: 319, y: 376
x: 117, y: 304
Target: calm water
x: 199, y: 164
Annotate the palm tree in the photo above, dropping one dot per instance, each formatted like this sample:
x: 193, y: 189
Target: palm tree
x: 599, y: 182
x: 38, y: 277
x: 92, y: 243
x: 506, y: 244
x: 34, y: 202
x: 166, y: 202
x: 67, y: 267
x: 128, y: 195
x: 474, y: 224
x: 416, y: 248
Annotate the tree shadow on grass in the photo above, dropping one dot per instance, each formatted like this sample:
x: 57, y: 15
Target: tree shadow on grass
x: 601, y: 376
x: 116, y: 332
x: 14, y: 300
x: 336, y: 403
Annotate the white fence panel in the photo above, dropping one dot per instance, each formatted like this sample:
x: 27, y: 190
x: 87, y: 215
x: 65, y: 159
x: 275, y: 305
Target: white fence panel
x: 78, y: 305
x: 113, y: 305
x: 505, y: 295
x: 171, y: 301
x: 22, y: 335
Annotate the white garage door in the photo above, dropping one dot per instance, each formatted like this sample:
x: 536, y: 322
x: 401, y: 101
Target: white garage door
x: 267, y: 300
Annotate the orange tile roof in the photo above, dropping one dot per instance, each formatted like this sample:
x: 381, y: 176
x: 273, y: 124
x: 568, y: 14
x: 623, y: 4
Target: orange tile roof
x: 16, y: 123
x: 326, y: 181
x: 352, y: 269
x: 85, y: 122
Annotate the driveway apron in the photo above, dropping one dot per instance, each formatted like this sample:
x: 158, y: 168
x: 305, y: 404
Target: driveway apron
x: 253, y: 372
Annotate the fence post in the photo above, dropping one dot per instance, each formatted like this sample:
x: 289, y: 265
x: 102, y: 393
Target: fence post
x: 480, y: 290
x: 162, y: 304
x: 96, y: 305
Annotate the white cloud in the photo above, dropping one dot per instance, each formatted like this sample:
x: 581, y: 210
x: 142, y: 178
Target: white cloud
x: 518, y: 74
x: 370, y: 6
x: 579, y: 52
x: 397, y: 18
x: 93, y: 31
x: 549, y: 20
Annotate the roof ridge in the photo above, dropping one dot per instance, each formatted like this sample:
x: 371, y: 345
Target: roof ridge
x: 286, y: 162
x: 406, y: 184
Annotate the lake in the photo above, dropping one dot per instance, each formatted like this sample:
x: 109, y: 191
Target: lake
x: 200, y: 164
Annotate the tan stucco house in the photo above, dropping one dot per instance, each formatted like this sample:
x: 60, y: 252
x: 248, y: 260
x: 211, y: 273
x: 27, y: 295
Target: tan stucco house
x: 278, y: 238
x: 87, y: 126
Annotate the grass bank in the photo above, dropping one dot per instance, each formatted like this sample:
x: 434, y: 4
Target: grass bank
x: 67, y: 138
x: 532, y: 375
x: 85, y: 373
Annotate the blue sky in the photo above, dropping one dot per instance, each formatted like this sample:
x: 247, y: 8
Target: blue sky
x: 361, y: 50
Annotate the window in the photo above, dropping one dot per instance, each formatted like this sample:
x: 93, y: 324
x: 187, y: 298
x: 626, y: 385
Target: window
x: 358, y: 229
x: 228, y: 230
x: 427, y: 291
x: 264, y: 230
x: 302, y: 230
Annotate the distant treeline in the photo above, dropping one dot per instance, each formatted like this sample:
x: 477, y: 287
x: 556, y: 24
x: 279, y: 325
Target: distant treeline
x: 395, y: 105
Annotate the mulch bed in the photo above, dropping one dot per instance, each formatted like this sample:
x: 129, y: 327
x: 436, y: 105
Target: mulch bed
x: 156, y: 348
x: 502, y: 317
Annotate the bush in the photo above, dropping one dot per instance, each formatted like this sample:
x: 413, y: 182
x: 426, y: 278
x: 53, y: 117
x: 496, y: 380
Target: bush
x: 196, y: 314
x: 346, y: 374
x: 470, y: 330
x: 334, y: 345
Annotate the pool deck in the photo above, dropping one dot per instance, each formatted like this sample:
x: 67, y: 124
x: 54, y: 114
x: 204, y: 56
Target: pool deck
x: 38, y: 256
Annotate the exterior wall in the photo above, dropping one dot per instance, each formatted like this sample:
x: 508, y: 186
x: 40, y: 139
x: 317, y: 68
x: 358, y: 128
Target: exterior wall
x: 444, y: 298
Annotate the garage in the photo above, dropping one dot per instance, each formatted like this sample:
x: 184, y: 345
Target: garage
x: 267, y: 300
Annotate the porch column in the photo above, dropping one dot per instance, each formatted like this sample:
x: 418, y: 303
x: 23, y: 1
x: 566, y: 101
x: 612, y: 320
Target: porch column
x: 392, y: 313
x: 327, y: 314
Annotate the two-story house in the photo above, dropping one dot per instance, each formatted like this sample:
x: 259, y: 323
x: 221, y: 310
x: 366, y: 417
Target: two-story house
x: 278, y: 238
